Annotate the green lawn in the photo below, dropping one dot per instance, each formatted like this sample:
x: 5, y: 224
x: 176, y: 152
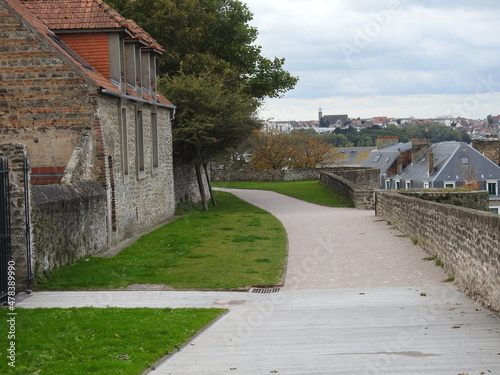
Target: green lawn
x: 309, y: 191
x: 233, y: 245
x: 97, y: 341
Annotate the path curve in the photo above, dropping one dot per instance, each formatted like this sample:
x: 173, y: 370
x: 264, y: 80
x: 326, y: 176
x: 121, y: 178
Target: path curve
x: 332, y: 248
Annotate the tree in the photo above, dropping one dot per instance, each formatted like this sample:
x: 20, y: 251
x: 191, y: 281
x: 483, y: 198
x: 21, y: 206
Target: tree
x: 289, y: 151
x: 212, y: 71
x: 210, y: 36
x: 209, y: 120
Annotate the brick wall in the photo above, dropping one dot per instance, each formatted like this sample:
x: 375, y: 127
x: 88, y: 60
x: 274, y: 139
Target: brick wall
x: 93, y: 47
x: 467, y: 241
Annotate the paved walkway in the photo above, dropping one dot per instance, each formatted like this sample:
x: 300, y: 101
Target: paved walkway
x: 358, y: 299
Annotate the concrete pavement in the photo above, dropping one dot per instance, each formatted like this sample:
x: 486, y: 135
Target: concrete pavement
x: 358, y: 299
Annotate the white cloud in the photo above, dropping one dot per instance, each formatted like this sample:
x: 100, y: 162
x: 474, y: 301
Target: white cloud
x: 367, y: 49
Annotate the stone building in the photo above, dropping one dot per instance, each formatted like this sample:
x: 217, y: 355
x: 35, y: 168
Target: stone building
x: 78, y: 88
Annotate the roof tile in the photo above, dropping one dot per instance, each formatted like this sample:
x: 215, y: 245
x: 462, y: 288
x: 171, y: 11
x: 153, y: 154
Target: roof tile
x: 85, y: 14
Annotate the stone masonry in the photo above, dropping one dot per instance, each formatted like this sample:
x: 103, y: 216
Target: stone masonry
x: 466, y: 241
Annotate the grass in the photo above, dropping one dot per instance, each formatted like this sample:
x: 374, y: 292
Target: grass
x: 98, y: 341
x: 233, y: 245
x: 309, y: 191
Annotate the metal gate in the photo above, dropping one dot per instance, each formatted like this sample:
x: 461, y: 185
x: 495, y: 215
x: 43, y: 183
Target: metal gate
x: 5, y: 249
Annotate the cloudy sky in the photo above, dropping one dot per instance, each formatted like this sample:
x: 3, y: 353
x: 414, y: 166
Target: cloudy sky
x: 396, y: 58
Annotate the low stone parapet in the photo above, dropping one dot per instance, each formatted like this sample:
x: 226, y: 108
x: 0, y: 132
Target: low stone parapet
x: 466, y: 241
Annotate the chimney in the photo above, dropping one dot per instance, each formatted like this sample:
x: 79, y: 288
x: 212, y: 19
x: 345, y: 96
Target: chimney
x: 399, y: 162
x: 383, y: 142
x: 430, y: 161
x: 418, y: 149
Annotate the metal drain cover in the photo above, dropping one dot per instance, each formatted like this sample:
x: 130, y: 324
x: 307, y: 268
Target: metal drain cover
x: 265, y: 290
x: 229, y: 302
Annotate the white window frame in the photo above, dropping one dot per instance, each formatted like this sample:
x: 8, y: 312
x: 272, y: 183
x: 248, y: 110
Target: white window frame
x: 388, y: 184
x: 408, y: 185
x: 492, y: 182
x: 449, y: 183
x: 397, y: 184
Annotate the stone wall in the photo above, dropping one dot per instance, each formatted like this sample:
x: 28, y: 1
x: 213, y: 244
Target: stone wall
x: 466, y: 241
x: 489, y: 148
x: 186, y: 184
x: 362, y: 198
x: 477, y: 200
x: 69, y: 222
x: 364, y: 177
x: 138, y: 200
x: 40, y: 91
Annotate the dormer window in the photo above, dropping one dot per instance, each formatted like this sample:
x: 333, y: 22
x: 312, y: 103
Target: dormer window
x: 117, y: 60
x: 133, y: 65
x: 149, y: 73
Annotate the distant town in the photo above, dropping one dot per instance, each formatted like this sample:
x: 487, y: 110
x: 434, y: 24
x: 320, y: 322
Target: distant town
x: 488, y: 128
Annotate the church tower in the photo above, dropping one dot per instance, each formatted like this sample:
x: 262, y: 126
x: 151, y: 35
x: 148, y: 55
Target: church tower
x: 320, y: 114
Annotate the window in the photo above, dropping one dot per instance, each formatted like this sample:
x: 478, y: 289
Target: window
x: 492, y: 187
x: 494, y: 210
x: 377, y: 158
x: 464, y: 160
x: 408, y: 185
x: 449, y: 185
x: 124, y: 141
x: 388, y: 184
x: 117, y: 59
x: 398, y: 185
x: 154, y: 139
x: 426, y: 185
x: 139, y: 144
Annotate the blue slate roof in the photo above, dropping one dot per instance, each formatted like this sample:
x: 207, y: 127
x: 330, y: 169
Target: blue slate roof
x: 453, y: 161
x: 385, y: 157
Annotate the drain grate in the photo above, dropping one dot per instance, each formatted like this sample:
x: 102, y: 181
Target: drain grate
x: 230, y: 302
x: 265, y: 290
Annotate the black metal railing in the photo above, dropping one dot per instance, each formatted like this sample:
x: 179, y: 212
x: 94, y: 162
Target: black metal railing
x: 5, y: 244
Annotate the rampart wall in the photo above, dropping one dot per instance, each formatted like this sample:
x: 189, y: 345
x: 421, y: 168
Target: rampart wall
x: 465, y: 240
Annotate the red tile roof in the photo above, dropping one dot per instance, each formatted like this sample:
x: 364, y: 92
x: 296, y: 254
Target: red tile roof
x: 42, y: 28
x: 20, y: 8
x: 86, y: 14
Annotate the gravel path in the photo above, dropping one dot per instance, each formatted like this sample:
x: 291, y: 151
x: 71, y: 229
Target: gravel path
x: 333, y: 248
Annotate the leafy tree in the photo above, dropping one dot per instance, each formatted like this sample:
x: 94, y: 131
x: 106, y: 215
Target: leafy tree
x: 211, y: 70
x: 209, y: 36
x: 209, y: 120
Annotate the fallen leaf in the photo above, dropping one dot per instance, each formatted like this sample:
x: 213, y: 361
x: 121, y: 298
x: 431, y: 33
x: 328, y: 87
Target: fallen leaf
x: 423, y: 294
x: 37, y: 372
x: 457, y: 327
x: 117, y: 335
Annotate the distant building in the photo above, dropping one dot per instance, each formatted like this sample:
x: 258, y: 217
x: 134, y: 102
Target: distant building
x: 450, y: 165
